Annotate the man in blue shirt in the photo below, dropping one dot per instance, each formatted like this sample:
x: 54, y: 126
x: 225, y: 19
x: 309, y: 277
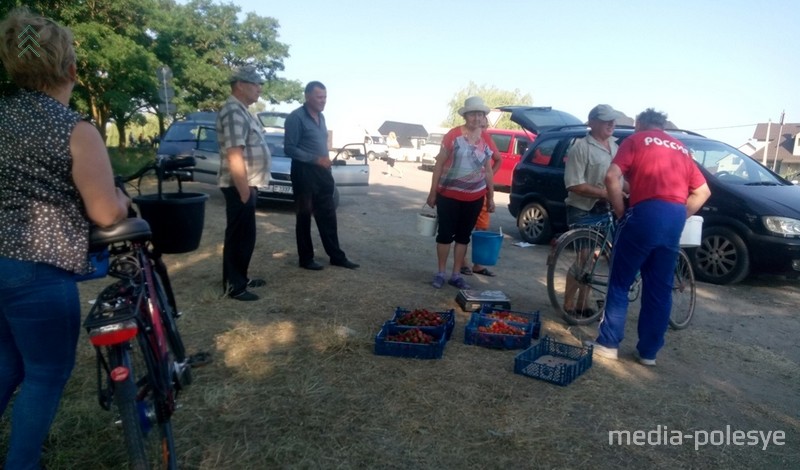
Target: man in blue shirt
x: 306, y: 142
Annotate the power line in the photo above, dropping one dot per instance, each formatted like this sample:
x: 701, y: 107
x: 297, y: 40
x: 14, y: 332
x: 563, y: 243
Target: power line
x: 726, y: 127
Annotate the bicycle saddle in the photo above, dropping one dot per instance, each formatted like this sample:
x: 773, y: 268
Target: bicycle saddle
x: 132, y: 229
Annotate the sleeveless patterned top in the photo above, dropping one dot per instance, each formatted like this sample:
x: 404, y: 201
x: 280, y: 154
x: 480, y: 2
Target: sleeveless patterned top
x: 42, y: 217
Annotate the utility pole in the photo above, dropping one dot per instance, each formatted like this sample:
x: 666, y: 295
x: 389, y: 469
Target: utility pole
x: 766, y: 146
x: 778, y: 142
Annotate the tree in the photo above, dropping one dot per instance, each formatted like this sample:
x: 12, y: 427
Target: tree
x: 203, y: 42
x: 122, y: 84
x: 493, y: 97
x: 121, y: 43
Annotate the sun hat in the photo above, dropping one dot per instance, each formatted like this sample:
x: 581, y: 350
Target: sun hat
x: 247, y: 74
x: 473, y: 103
x: 604, y: 112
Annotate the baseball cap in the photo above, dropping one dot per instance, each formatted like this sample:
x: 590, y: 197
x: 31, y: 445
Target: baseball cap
x: 604, y: 112
x: 247, y: 74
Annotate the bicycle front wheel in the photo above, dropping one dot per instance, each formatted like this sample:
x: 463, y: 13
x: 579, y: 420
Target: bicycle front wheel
x: 577, y: 276
x: 149, y: 443
x: 683, y: 293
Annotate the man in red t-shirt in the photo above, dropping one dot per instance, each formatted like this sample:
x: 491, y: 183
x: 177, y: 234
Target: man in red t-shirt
x: 666, y: 187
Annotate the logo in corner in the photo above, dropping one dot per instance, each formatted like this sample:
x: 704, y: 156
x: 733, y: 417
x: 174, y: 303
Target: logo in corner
x: 27, y: 37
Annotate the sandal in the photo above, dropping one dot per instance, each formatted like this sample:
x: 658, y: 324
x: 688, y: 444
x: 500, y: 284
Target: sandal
x: 458, y: 282
x: 465, y: 270
x: 484, y: 272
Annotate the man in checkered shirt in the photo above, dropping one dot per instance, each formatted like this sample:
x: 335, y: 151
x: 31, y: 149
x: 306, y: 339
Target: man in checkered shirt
x: 244, y: 166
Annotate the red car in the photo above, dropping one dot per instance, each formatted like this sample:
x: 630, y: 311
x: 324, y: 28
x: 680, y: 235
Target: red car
x: 511, y: 144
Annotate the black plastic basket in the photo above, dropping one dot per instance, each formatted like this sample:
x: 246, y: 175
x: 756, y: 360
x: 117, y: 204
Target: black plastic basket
x: 176, y: 219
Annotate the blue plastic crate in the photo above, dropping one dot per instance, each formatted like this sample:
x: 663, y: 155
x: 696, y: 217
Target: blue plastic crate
x: 492, y: 340
x: 553, y: 362
x: 449, y: 317
x: 383, y: 347
x: 531, y: 317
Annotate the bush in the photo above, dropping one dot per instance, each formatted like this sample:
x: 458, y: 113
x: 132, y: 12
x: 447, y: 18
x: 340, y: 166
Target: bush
x: 126, y: 161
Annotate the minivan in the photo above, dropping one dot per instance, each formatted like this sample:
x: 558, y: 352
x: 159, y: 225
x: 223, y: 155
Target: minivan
x: 751, y: 221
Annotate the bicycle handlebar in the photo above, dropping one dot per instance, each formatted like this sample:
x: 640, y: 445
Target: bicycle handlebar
x: 163, y: 167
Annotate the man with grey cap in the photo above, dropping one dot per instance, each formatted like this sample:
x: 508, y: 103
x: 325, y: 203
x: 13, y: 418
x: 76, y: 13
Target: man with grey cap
x: 584, y: 176
x: 244, y: 166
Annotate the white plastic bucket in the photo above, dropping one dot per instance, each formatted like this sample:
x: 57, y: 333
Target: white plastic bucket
x: 692, y: 231
x: 426, y: 223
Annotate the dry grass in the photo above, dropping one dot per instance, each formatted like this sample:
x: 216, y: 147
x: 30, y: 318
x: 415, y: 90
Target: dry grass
x: 294, y: 382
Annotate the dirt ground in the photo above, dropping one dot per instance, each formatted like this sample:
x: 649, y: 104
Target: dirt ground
x: 295, y: 384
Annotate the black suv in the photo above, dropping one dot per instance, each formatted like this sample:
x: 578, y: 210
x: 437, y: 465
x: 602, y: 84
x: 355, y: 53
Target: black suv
x: 751, y: 222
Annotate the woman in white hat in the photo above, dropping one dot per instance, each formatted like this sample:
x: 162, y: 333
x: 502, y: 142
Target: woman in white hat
x: 462, y: 180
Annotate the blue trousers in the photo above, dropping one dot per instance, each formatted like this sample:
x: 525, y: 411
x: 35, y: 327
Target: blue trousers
x: 39, y: 327
x: 647, y: 242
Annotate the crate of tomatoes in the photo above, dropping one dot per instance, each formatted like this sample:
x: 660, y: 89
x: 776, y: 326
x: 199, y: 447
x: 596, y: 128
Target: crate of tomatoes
x: 402, y: 341
x: 426, y: 320
x: 514, y: 318
x: 497, y: 334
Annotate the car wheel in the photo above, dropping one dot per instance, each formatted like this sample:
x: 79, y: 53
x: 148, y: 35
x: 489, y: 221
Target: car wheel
x: 533, y: 223
x: 372, y: 156
x: 721, y: 258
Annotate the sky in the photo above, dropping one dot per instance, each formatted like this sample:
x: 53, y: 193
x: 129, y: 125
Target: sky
x: 716, y: 68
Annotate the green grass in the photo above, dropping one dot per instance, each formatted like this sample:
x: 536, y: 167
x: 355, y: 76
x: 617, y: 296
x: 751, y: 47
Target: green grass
x: 126, y: 161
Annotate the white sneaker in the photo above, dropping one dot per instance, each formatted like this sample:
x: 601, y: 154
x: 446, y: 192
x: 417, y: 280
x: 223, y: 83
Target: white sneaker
x: 643, y: 361
x: 602, y: 351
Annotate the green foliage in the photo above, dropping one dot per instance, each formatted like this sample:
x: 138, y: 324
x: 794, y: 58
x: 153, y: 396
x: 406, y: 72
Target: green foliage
x: 121, y: 43
x: 125, y: 161
x: 493, y: 97
x: 203, y: 41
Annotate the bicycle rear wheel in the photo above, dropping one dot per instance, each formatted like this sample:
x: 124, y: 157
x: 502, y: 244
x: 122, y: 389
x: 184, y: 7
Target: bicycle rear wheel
x: 183, y: 370
x: 146, y: 426
x: 683, y: 293
x: 577, y: 275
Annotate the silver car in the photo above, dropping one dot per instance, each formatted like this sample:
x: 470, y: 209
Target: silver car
x: 199, y: 139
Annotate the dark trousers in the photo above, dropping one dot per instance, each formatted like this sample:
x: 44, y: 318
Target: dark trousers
x: 456, y: 219
x: 313, y: 188
x: 240, y: 239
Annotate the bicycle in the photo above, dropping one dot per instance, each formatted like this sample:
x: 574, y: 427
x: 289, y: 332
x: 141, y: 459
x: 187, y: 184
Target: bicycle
x: 141, y: 359
x: 579, y: 265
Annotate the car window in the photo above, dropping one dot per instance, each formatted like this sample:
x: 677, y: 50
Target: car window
x: 434, y: 139
x: 543, y: 152
x: 181, y: 132
x: 502, y: 142
x: 728, y: 164
x: 275, y: 145
x: 521, y: 146
x: 272, y: 119
x: 207, y: 139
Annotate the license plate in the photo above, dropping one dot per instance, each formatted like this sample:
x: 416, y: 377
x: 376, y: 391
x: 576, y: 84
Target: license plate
x: 276, y: 188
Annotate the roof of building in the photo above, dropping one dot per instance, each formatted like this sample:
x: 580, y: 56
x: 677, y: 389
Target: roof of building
x: 760, y: 133
x: 783, y: 148
x: 404, y: 131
